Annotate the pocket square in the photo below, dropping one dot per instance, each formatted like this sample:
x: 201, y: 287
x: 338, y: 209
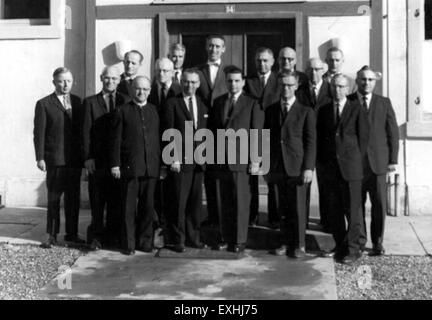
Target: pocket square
x: 206, y: 116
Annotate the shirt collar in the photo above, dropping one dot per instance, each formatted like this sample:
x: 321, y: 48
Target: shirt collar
x: 290, y: 101
x: 368, y: 96
x: 236, y: 96
x: 341, y: 103
x: 139, y: 104
x: 108, y: 93
x: 318, y: 85
x: 266, y: 75
x: 168, y: 85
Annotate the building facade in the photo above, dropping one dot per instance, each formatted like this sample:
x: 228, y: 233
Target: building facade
x: 391, y: 36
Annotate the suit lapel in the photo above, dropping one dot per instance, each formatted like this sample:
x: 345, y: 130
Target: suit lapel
x: 237, y: 108
x: 185, y: 109
x: 219, y: 76
x: 270, y: 84
x: 102, y: 103
x: 57, y: 102
x: 345, y: 113
x: 206, y: 73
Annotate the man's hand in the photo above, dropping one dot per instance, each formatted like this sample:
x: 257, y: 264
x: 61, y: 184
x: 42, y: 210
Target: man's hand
x: 307, y: 176
x: 176, y: 167
x: 41, y: 165
x: 391, y: 168
x: 115, y: 172
x: 163, y: 173
x: 254, y: 168
x: 90, y: 166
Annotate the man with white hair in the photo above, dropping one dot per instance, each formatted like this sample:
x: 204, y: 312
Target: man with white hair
x: 382, y: 154
x: 103, y: 189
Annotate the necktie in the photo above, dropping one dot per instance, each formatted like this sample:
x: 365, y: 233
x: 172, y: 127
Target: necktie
x: 111, y: 103
x: 262, y: 82
x: 230, y: 109
x: 191, y: 110
x: 314, y: 95
x: 163, y: 94
x: 177, y: 76
x: 67, y: 105
x: 337, y: 113
x: 285, y: 110
x: 365, y: 105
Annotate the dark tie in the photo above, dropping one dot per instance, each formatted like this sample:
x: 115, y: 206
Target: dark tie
x: 365, y: 105
x: 191, y: 110
x: 229, y: 111
x: 337, y: 113
x: 177, y: 74
x: 111, y: 103
x: 67, y: 105
x: 262, y: 82
x: 314, y: 95
x: 285, y: 108
x: 163, y: 94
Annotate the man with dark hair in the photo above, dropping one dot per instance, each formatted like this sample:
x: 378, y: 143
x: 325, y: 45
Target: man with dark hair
x: 335, y: 60
x: 342, y: 133
x: 103, y: 189
x: 212, y: 85
x: 186, y: 113
x: 57, y: 125
x: 292, y: 152
x: 177, y: 55
x: 135, y: 161
x: 235, y: 114
x: 381, y: 157
x: 132, y: 63
x: 263, y: 86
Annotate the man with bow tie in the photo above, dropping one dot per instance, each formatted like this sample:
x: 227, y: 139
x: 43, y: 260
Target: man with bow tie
x: 135, y: 162
x: 316, y: 93
x: 236, y: 113
x: 177, y: 55
x: 186, y: 113
x: 212, y: 85
x: 292, y: 152
x: 381, y: 157
x: 342, y: 135
x: 132, y: 63
x: 103, y: 189
x: 57, y: 134
x: 263, y: 86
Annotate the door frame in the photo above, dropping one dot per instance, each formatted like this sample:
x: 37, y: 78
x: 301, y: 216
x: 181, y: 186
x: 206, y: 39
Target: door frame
x: 164, y: 18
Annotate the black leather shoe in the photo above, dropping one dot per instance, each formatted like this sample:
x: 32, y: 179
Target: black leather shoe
x: 298, y: 253
x: 128, y: 252
x: 281, y: 251
x: 221, y: 246
x: 351, y: 258
x: 146, y: 249
x: 74, y: 239
x: 95, y: 245
x: 199, y: 245
x: 179, y: 248
x: 50, y: 242
x: 329, y: 254
x: 376, y: 252
x: 237, y: 248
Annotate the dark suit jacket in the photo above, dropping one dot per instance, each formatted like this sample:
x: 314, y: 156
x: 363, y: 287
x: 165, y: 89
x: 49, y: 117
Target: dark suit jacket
x: 135, y: 144
x: 125, y: 87
x: 345, y: 144
x: 176, y: 114
x: 206, y: 92
x: 305, y: 97
x: 154, y: 99
x: 247, y: 114
x: 97, y: 129
x: 293, y: 141
x: 383, y: 144
x: 56, y: 135
x: 265, y: 97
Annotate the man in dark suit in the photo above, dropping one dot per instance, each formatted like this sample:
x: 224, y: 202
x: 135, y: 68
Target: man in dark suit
x: 342, y: 138
x: 135, y: 161
x: 132, y: 63
x: 163, y: 88
x: 292, y: 152
x: 104, y: 190
x: 287, y: 62
x: 263, y: 86
x: 177, y: 55
x: 237, y: 114
x: 57, y: 124
x: 316, y: 93
x: 335, y: 60
x: 212, y: 85
x: 381, y: 157
x: 187, y: 114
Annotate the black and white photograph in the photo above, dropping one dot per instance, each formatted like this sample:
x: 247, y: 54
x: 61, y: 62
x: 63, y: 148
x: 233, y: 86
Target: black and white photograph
x: 218, y: 156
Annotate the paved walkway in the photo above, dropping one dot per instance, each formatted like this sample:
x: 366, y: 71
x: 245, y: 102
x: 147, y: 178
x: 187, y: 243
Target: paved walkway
x: 199, y: 274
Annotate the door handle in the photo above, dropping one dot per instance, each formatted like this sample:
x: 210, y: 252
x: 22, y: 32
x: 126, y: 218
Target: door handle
x: 417, y: 101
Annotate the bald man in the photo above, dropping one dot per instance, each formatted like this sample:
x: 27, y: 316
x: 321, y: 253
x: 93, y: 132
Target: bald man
x: 316, y: 94
x: 287, y: 60
x: 135, y: 162
x: 103, y: 189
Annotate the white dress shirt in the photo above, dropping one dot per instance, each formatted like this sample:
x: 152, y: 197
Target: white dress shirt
x: 214, y: 70
x: 64, y: 100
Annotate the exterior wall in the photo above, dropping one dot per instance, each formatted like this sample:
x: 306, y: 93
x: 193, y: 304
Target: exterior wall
x: 27, y: 66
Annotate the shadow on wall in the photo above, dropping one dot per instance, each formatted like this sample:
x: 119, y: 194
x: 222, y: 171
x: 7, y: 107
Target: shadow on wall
x: 109, y: 55
x: 322, y: 49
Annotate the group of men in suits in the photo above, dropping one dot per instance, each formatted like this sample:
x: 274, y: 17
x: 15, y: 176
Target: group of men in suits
x: 315, y: 119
